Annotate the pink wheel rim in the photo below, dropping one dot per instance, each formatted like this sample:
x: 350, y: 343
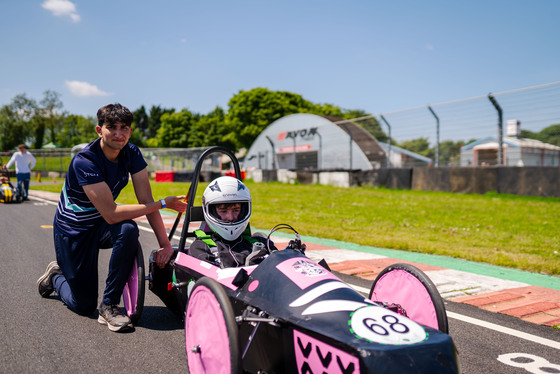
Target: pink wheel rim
x: 130, y: 291
x: 401, y: 287
x: 206, y: 335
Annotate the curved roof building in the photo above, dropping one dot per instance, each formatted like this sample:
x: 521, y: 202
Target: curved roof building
x: 310, y: 142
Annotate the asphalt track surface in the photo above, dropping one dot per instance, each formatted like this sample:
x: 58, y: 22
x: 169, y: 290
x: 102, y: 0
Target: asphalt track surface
x: 40, y: 335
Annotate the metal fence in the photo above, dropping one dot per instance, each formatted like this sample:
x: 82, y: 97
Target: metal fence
x: 430, y: 135
x: 158, y: 159
x: 535, y: 108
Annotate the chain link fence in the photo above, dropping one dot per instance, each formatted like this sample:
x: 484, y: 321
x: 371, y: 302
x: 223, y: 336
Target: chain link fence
x: 465, y: 132
x: 158, y: 159
x: 447, y: 126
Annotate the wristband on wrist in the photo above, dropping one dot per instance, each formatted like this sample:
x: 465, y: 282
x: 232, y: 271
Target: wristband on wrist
x: 162, y: 201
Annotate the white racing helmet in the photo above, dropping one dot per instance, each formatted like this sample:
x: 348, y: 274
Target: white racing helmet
x: 226, y: 190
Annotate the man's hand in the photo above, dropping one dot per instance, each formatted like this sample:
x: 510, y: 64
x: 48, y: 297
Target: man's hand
x: 162, y: 256
x: 176, y: 203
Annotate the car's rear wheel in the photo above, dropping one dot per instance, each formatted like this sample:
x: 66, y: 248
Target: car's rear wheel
x: 134, y: 289
x: 211, y: 333
x: 412, y: 289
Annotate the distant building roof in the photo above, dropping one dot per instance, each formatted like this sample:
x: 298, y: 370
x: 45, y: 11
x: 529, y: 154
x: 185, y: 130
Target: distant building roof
x: 491, y: 141
x: 50, y: 145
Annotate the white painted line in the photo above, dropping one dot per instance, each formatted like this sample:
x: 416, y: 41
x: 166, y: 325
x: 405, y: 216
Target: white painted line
x: 148, y: 229
x: 43, y: 200
x: 505, y: 330
x: 333, y: 256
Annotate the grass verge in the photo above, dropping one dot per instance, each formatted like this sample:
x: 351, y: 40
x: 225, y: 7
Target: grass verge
x: 505, y: 230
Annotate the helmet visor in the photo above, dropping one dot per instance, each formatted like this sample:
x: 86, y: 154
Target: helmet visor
x: 229, y: 213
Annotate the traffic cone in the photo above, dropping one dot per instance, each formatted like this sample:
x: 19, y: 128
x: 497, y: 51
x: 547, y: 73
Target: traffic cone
x: 39, y: 177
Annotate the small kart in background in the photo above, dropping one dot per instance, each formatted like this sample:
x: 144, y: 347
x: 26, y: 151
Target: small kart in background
x: 289, y: 314
x: 9, y: 193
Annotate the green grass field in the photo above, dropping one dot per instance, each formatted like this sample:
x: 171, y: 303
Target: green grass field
x: 506, y: 230
x: 53, y: 163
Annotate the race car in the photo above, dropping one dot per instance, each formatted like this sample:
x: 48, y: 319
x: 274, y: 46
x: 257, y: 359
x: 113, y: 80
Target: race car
x: 290, y: 314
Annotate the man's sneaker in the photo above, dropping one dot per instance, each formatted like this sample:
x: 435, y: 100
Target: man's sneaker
x: 44, y: 283
x: 113, y: 317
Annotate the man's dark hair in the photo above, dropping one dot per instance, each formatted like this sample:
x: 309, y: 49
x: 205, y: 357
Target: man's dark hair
x: 114, y: 113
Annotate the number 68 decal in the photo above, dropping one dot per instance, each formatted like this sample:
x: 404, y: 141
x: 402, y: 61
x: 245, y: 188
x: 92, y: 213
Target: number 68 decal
x: 379, y: 325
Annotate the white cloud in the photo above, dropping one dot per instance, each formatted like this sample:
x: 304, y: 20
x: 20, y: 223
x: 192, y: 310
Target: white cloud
x: 61, y: 8
x: 78, y: 88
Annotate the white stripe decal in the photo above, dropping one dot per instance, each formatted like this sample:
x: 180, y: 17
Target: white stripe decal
x: 333, y: 306
x: 316, y: 292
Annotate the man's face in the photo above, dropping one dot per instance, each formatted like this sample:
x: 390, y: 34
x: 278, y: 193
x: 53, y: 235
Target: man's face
x: 114, y: 136
x: 22, y: 149
x: 229, y: 212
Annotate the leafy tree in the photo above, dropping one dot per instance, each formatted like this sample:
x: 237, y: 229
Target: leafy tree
x: 529, y: 134
x: 211, y: 129
x: 550, y: 134
x: 420, y: 146
x: 11, y: 131
x: 17, y: 122
x: 136, y: 137
x: 449, y: 152
x: 75, y: 130
x: 139, y: 126
x: 250, y: 112
x: 154, y: 121
x: 141, y: 120
x: 324, y: 110
x: 175, y: 128
x: 48, y: 118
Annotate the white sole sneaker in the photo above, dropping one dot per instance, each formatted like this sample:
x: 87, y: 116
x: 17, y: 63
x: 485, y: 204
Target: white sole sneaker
x: 114, y: 328
x: 47, y: 288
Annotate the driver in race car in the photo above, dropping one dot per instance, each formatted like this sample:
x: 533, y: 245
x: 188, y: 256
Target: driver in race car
x: 226, y: 240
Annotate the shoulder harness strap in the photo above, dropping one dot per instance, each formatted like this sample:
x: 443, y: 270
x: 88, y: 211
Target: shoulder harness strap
x: 207, y: 238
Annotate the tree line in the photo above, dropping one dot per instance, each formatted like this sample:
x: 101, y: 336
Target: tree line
x: 37, y: 123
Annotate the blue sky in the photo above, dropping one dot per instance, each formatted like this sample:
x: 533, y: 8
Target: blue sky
x: 378, y: 56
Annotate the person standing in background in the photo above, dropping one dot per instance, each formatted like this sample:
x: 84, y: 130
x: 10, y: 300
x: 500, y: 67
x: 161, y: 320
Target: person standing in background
x: 24, y: 162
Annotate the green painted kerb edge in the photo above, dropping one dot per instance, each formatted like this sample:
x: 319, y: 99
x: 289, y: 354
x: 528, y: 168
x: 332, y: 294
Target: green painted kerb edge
x: 534, y: 279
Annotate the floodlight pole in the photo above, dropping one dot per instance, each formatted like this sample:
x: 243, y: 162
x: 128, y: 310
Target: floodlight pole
x: 388, y: 141
x: 351, y: 139
x: 500, y: 129
x: 320, y: 151
x: 437, y: 135
x: 295, y: 155
x: 273, y: 153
